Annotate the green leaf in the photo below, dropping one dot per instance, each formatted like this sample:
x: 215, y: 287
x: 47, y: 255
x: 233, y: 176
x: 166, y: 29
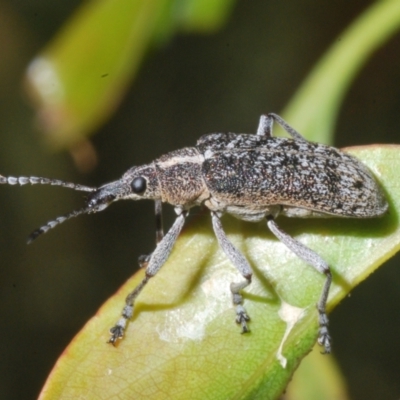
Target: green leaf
x: 183, y: 343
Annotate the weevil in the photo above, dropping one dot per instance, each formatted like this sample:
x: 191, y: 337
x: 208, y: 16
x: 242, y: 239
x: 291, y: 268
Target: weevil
x: 253, y: 177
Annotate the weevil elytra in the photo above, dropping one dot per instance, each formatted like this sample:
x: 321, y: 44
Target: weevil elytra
x: 252, y: 177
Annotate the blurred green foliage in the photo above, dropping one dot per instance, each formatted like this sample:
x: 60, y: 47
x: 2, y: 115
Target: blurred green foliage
x: 80, y: 77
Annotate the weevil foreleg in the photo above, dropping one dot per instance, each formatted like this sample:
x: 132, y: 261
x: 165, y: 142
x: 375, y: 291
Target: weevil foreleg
x: 312, y: 258
x: 145, y: 258
x: 157, y: 260
x: 240, y: 262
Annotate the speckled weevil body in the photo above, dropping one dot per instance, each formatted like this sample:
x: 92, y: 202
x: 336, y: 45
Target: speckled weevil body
x: 252, y: 177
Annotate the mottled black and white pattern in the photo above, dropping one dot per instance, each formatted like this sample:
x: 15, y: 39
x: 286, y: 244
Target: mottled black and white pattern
x: 252, y: 177
x: 279, y: 171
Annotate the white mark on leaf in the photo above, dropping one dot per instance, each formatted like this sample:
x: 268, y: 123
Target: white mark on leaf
x: 291, y: 315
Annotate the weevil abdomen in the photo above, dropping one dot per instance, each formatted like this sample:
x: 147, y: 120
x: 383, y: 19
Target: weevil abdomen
x: 255, y: 172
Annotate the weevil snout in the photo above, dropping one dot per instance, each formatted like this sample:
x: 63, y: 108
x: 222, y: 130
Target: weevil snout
x: 98, y: 200
x: 101, y: 198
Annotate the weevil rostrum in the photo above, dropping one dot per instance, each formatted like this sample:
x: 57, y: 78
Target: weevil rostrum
x: 252, y: 177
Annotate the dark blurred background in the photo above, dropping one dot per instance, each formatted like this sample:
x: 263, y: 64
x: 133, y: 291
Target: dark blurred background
x: 191, y: 86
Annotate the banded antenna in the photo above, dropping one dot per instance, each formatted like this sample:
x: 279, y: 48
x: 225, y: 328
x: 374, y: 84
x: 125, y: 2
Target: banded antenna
x: 35, y: 180
x: 52, y: 224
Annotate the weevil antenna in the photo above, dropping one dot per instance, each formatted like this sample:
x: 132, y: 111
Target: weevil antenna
x: 36, y: 180
x: 52, y: 224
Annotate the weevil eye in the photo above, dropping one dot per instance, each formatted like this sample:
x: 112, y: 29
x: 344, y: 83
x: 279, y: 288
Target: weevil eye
x: 138, y: 185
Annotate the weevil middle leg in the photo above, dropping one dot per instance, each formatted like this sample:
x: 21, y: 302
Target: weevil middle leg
x: 313, y: 259
x: 240, y: 262
x: 157, y: 260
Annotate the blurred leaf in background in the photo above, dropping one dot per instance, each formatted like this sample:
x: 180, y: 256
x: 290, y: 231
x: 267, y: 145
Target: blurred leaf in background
x: 78, y: 80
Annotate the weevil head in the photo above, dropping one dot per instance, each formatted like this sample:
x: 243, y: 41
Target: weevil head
x: 137, y: 183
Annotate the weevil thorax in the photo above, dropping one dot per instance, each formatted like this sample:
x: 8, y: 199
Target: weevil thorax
x: 180, y: 178
x: 137, y: 183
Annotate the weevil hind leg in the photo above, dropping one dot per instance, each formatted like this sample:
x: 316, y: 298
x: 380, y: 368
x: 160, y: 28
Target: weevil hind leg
x: 240, y: 262
x: 157, y: 260
x: 274, y: 117
x: 313, y: 259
